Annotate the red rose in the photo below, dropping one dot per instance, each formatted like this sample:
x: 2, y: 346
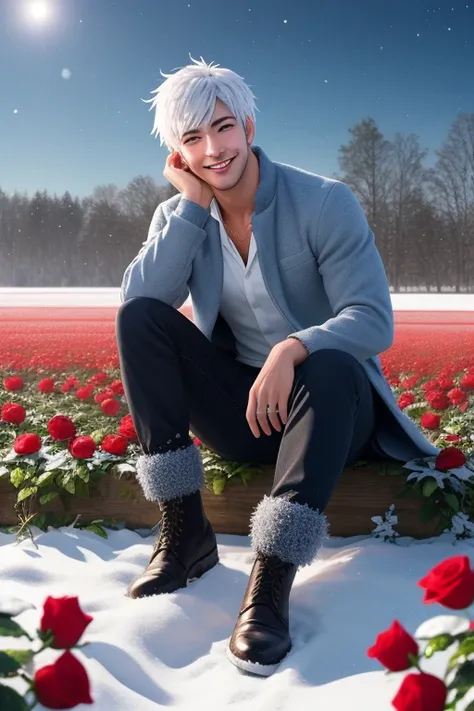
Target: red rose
x: 61, y: 427
x: 46, y: 385
x: 13, y: 413
x: 430, y: 385
x: 438, y: 400
x: 421, y: 692
x: 114, y: 444
x: 430, y: 421
x: 457, y: 396
x: 127, y: 428
x: 70, y: 383
x: 98, y: 378
x: 14, y: 382
x: 392, y: 648
x: 65, y: 619
x: 27, y: 443
x: 110, y: 406
x: 467, y: 382
x: 82, y: 447
x: 85, y: 392
x: 405, y: 399
x: 410, y: 382
x: 445, y: 383
x: 450, y: 583
x: 117, y: 387
x: 100, y: 397
x: 450, y: 458
x: 453, y: 438
x: 64, y: 684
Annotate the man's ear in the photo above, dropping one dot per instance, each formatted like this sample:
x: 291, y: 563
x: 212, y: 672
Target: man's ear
x: 249, y: 130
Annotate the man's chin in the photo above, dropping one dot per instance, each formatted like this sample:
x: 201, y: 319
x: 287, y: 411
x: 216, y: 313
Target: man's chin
x: 225, y: 185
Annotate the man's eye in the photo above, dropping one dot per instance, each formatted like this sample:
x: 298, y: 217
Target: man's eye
x: 226, y: 125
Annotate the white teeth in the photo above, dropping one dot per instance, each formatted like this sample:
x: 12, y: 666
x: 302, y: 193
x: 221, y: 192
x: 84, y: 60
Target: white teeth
x: 220, y: 165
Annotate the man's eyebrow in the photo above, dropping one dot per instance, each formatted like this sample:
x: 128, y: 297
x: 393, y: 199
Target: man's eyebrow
x: 214, y: 123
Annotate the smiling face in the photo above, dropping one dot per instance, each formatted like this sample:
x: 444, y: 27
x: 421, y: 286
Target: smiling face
x: 222, y: 140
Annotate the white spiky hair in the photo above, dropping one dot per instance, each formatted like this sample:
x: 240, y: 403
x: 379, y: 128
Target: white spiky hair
x: 186, y: 100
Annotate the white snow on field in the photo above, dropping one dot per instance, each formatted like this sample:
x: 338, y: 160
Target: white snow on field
x: 168, y: 651
x: 105, y: 297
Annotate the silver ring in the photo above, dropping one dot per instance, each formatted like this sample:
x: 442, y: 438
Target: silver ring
x: 267, y: 411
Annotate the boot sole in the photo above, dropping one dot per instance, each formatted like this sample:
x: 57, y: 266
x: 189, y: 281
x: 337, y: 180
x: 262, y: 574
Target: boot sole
x: 203, y: 566
x: 252, y: 667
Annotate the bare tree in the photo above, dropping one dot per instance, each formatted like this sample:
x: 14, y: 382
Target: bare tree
x: 407, y: 176
x: 365, y: 161
x: 452, y: 181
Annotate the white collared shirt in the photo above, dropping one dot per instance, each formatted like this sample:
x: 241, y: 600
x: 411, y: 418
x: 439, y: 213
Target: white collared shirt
x: 245, y: 304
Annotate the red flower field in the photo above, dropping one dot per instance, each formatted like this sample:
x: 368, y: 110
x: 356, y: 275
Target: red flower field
x: 426, y: 343
x: 61, y: 396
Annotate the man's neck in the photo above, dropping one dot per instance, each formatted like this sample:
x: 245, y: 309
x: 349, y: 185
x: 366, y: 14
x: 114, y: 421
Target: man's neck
x: 238, y: 202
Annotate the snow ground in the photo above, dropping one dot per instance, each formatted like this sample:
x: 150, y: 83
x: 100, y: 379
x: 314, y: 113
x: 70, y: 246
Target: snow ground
x: 109, y: 296
x: 169, y: 651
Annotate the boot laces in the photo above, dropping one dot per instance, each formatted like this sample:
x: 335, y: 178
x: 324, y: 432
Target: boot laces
x: 170, y: 527
x: 268, y: 581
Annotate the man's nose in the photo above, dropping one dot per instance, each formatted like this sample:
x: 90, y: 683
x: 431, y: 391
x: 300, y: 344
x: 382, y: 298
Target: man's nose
x: 213, y: 148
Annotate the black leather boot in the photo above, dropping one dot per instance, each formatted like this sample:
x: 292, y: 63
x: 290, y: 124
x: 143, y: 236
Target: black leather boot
x: 261, y: 637
x: 185, y: 549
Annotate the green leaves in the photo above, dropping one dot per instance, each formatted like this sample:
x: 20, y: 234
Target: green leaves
x: 464, y: 678
x: 10, y: 628
x: 26, y: 493
x: 20, y: 656
x: 11, y: 700
x: 13, y: 659
x: 465, y: 649
x: 452, y: 501
x: 8, y: 665
x: 429, y: 486
x: 218, y: 472
x: 48, y: 497
x: 218, y: 485
x: 98, y: 530
x: 429, y: 510
x: 438, y: 644
x: 18, y: 476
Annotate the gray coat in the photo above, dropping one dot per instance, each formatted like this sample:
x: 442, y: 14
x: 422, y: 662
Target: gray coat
x: 320, y: 265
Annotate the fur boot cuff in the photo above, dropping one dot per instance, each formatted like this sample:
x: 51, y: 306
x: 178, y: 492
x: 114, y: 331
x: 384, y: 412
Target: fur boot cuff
x: 170, y: 475
x: 292, y: 532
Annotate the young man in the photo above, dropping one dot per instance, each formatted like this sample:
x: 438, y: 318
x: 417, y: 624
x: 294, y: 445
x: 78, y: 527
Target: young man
x: 291, y: 308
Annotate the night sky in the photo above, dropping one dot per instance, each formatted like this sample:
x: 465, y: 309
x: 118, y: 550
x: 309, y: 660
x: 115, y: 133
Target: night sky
x: 73, y: 74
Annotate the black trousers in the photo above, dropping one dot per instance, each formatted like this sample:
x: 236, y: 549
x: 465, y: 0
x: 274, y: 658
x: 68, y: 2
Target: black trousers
x: 175, y: 380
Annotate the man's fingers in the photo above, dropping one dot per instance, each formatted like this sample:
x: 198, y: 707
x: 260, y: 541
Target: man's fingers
x: 263, y: 421
x: 283, y: 409
x: 273, y: 416
x: 251, y: 415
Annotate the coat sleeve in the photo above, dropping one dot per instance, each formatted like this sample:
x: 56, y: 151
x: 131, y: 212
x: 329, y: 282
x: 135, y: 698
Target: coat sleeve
x: 354, y: 280
x: 162, y: 267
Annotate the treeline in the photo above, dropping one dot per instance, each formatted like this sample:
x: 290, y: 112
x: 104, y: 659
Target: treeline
x: 423, y: 218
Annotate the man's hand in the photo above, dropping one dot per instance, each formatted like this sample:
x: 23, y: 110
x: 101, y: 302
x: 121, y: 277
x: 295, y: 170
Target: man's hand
x: 179, y: 174
x: 273, y: 385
